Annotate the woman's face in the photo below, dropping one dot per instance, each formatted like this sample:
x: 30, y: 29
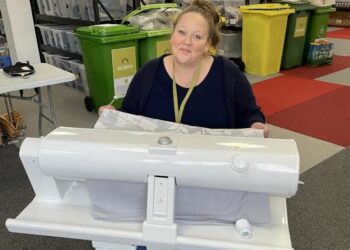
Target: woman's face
x: 190, y: 38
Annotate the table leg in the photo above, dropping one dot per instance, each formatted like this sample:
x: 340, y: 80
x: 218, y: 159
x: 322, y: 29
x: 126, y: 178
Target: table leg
x: 12, y: 110
x: 51, y: 106
x: 40, y: 111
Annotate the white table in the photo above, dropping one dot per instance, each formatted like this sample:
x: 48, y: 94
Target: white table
x: 45, y: 75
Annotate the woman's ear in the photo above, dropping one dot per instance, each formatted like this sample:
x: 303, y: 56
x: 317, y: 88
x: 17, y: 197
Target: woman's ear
x: 208, y: 45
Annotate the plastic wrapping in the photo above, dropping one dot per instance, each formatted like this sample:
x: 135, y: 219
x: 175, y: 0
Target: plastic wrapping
x: 154, y: 19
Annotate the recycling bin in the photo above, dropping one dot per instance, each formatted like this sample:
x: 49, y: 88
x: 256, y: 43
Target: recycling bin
x: 111, y: 60
x: 317, y: 27
x: 156, y: 41
x: 264, y: 29
x: 296, y: 34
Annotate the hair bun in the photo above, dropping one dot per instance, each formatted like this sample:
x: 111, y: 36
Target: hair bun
x: 208, y: 7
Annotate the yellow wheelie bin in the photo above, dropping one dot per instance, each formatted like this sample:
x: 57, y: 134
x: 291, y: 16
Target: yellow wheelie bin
x: 264, y: 29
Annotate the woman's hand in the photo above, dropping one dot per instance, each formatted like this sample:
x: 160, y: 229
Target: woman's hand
x: 260, y: 125
x: 100, y: 110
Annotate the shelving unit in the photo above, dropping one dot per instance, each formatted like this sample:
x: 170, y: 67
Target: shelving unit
x: 342, y: 16
x: 40, y: 18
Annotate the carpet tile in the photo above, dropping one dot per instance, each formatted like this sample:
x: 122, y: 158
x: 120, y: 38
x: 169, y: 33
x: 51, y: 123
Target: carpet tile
x: 276, y: 94
x: 339, y: 63
x: 326, y: 117
x: 340, y: 33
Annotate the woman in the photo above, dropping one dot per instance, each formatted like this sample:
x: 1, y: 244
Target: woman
x: 190, y: 86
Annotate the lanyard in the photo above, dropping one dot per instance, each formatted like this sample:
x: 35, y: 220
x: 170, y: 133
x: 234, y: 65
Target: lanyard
x: 179, y: 112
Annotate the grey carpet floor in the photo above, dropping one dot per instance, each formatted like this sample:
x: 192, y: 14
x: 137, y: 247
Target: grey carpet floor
x: 319, y: 215
x: 15, y: 193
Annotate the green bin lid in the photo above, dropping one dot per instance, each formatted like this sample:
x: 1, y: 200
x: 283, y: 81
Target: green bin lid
x: 154, y: 33
x: 323, y: 9
x: 298, y: 5
x: 103, y: 30
x: 269, y: 9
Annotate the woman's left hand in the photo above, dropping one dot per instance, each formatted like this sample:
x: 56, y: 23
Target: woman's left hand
x: 260, y: 125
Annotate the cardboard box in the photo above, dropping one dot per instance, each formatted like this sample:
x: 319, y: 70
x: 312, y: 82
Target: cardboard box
x: 339, y: 18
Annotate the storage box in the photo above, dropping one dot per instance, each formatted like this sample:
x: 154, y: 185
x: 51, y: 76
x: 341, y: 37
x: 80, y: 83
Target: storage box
x: 45, y: 34
x: 231, y: 11
x: 48, y: 7
x: 320, y: 53
x: 75, y: 67
x: 84, y: 80
x: 64, y: 7
x: 49, y: 58
x: 73, y: 42
x: 117, y: 8
x: 84, y: 8
x: 41, y: 7
x: 5, y: 61
x: 230, y: 45
x: 61, y: 37
x: 56, y: 8
x: 74, y: 10
x: 339, y: 18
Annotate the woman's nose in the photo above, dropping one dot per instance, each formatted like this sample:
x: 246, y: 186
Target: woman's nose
x: 188, y: 40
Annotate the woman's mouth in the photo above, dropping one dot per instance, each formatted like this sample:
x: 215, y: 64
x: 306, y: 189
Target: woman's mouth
x: 185, y: 50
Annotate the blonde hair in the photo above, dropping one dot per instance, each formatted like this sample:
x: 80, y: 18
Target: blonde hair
x: 208, y: 12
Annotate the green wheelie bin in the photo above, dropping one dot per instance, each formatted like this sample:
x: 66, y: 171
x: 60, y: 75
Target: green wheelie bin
x: 110, y: 54
x: 296, y: 33
x: 157, y: 41
x: 317, y: 27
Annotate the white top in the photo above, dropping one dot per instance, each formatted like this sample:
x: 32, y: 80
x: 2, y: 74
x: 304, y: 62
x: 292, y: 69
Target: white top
x: 45, y: 75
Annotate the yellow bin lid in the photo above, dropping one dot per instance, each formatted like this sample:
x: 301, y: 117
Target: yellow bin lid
x: 268, y: 9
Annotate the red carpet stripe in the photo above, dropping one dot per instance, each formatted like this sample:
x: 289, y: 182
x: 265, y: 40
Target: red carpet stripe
x: 326, y: 117
x: 339, y: 63
x: 342, y: 33
x: 284, y: 91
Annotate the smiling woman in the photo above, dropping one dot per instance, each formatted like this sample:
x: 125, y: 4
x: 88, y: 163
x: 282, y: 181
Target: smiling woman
x: 191, y: 86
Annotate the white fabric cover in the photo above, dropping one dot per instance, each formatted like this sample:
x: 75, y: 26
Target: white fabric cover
x: 127, y: 201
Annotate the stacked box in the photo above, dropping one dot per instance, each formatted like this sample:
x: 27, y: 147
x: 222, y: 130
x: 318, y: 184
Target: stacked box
x: 339, y: 18
x: 230, y: 45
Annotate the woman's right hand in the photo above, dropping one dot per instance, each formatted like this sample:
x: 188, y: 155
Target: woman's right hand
x: 100, y: 110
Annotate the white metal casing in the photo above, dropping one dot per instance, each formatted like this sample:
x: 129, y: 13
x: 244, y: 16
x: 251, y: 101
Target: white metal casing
x: 58, y: 165
x: 244, y: 164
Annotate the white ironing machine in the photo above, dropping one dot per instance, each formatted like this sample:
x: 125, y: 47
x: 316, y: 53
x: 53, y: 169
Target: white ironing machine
x: 60, y: 165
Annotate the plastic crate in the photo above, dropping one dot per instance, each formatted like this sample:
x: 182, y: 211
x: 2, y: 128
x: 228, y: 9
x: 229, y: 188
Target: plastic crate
x: 230, y: 45
x: 74, y: 9
x: 56, y: 8
x: 84, y: 8
x: 5, y: 61
x: 49, y: 58
x: 48, y: 6
x: 64, y: 7
x: 45, y: 34
x: 320, y: 53
x: 41, y: 7
x: 73, y: 42
x: 231, y: 12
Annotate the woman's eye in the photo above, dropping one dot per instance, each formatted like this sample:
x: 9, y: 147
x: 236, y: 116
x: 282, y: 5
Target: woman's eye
x: 181, y: 32
x: 197, y: 37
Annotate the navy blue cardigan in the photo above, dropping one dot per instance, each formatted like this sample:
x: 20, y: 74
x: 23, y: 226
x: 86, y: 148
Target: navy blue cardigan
x: 239, y: 98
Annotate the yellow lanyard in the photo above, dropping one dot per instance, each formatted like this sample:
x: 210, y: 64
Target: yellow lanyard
x: 179, y: 112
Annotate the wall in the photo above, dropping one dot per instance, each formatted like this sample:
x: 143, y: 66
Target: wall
x: 20, y: 31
